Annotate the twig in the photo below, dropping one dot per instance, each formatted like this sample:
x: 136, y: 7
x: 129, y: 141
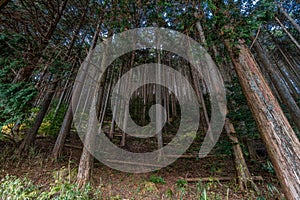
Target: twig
x: 73, y: 146
x: 206, y: 179
x: 257, y: 34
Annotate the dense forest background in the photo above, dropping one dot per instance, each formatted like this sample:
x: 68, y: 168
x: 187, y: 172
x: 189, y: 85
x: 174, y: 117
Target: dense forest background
x: 255, y: 45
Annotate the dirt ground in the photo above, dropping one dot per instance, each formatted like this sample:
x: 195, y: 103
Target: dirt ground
x: 167, y: 183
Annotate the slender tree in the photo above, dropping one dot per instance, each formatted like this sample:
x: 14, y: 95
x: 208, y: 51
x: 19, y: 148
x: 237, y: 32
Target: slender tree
x: 67, y: 122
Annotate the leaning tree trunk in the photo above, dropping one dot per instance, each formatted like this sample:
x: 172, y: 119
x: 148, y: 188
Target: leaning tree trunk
x: 297, y: 27
x: 30, y: 137
x: 243, y: 174
x: 282, y: 89
x: 125, y: 120
x: 68, y: 119
x: 280, y: 140
x: 242, y: 170
x: 87, y: 160
x: 288, y: 33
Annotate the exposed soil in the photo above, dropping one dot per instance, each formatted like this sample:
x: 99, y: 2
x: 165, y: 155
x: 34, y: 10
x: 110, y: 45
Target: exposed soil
x: 114, y: 184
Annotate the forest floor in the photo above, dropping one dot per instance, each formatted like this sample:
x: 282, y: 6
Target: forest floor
x: 167, y: 183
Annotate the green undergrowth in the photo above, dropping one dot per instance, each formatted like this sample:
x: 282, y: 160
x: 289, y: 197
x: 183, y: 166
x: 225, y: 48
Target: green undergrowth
x: 15, y: 188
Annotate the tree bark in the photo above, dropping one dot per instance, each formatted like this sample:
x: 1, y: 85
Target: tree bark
x: 87, y: 160
x: 68, y: 119
x: 281, y: 142
x: 283, y: 91
x: 243, y: 174
x: 30, y: 137
x: 158, y: 100
x: 112, y: 127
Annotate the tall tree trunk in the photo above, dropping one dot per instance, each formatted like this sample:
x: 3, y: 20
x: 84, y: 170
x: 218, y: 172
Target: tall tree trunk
x: 204, y: 119
x: 280, y: 140
x: 68, y: 119
x: 30, y: 137
x: 87, y: 160
x: 125, y: 119
x: 203, y: 40
x: 288, y: 33
x: 281, y: 56
x: 289, y: 17
x: 158, y: 100
x: 288, y: 78
x: 280, y: 86
x: 112, y: 127
x: 243, y: 174
x: 60, y: 101
x: 54, y: 23
x: 76, y: 32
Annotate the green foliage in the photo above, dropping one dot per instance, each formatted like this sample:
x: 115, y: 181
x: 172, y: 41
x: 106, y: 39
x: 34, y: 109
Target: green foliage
x: 52, y: 121
x: 59, y: 65
x: 12, y: 44
x: 236, y: 20
x: 15, y: 101
x: 12, y: 56
x: 66, y: 191
x: 201, y: 190
x: 268, y: 167
x: 224, y: 147
x: 181, y: 183
x: 15, y: 98
x: 240, y: 113
x: 272, y: 189
x: 15, y: 188
x: 157, y: 179
x: 203, y: 195
x: 9, y: 66
x: 260, y: 198
x: 169, y: 193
